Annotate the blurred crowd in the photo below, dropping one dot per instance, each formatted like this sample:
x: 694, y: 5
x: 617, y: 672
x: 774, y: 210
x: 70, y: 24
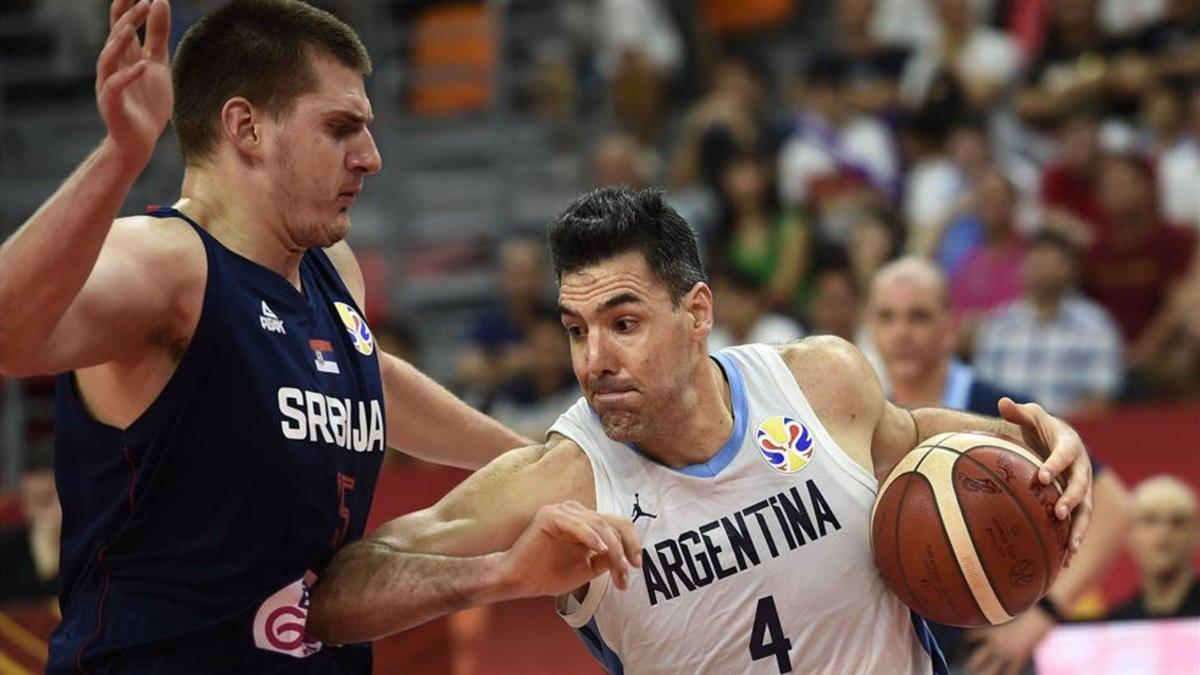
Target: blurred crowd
x: 1042, y: 155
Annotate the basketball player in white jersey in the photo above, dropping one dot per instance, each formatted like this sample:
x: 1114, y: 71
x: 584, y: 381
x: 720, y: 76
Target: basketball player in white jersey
x: 748, y: 475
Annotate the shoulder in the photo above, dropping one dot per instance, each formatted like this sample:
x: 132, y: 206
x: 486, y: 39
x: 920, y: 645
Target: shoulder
x: 162, y: 260
x: 834, y: 375
x: 169, y: 245
x: 346, y: 264
x: 1090, y: 315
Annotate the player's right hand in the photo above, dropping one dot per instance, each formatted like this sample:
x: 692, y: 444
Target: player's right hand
x: 133, y: 80
x: 566, y: 545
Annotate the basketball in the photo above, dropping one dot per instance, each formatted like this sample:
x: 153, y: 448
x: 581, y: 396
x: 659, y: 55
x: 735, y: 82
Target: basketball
x: 964, y: 532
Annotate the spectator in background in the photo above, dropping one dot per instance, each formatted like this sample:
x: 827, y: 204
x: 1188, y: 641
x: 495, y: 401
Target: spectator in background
x: 29, y: 554
x: 619, y: 159
x: 979, y: 62
x: 913, y: 328
x: 499, y: 352
x: 909, y: 317
x: 834, y: 154
x: 1175, y: 119
x: 731, y: 120
x: 640, y: 49
x: 1171, y: 368
x: 989, y: 274
x: 873, y: 70
x: 1070, y: 70
x: 1163, y: 542
x: 1057, y: 346
x: 742, y: 314
x: 875, y: 239
x: 939, y: 187
x: 833, y: 307
x: 547, y: 387
x: 1068, y: 189
x: 1137, y: 258
x: 757, y: 238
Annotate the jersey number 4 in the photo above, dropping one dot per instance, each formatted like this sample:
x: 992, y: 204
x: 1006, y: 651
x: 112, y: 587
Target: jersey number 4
x: 767, y: 638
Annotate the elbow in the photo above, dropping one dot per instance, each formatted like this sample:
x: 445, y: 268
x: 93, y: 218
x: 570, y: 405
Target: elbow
x: 13, y: 361
x: 325, y: 620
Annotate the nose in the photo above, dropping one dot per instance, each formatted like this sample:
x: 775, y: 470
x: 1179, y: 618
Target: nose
x: 598, y: 355
x: 365, y: 158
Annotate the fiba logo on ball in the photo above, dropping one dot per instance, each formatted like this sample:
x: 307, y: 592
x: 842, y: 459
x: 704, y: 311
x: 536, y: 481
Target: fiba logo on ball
x: 360, y: 335
x: 785, y: 443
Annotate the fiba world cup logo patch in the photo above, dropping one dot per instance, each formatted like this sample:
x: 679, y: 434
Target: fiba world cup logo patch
x: 360, y: 335
x: 784, y: 443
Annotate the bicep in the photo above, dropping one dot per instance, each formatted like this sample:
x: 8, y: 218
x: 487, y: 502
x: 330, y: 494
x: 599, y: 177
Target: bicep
x: 486, y: 512
x: 127, y: 300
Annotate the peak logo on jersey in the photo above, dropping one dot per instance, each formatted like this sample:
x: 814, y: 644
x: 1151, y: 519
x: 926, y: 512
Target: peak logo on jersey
x: 324, y: 356
x: 785, y: 443
x: 270, y: 321
x: 360, y: 335
x: 279, y: 623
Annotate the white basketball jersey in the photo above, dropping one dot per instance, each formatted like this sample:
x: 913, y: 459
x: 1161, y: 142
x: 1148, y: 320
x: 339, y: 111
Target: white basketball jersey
x: 757, y: 561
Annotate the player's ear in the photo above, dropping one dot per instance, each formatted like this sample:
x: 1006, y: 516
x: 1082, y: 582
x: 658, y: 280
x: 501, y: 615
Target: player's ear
x: 698, y: 306
x: 240, y: 125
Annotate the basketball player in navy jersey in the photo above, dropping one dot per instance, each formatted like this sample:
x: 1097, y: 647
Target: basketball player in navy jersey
x: 224, y: 407
x: 759, y: 464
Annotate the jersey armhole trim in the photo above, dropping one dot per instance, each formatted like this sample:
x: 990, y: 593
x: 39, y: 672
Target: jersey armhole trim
x: 578, y: 613
x: 787, y: 382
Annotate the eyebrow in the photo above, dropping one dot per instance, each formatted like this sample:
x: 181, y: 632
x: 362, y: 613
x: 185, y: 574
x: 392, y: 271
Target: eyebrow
x: 615, y: 301
x: 351, y: 116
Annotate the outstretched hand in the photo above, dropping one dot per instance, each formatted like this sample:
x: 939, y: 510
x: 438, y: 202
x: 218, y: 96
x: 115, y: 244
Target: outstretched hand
x: 567, y: 545
x: 1065, y: 455
x: 133, y: 80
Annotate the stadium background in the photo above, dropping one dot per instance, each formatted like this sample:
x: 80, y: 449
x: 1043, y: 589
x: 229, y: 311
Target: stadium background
x: 491, y: 116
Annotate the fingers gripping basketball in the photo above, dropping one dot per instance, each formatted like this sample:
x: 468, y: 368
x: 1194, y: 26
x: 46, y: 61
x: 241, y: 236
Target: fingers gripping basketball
x: 965, y: 533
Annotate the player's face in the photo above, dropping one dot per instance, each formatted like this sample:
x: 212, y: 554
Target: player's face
x: 632, y: 350
x: 322, y: 152
x: 911, y: 326
x: 1164, y: 536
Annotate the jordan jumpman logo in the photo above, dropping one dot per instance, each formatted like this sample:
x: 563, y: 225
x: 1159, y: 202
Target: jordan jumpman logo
x: 637, y: 510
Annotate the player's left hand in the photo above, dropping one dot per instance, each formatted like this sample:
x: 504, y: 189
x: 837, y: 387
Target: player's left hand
x: 1067, y: 456
x: 1005, y: 649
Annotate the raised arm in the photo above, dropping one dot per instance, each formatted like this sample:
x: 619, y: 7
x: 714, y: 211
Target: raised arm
x: 522, y: 526
x: 49, y: 261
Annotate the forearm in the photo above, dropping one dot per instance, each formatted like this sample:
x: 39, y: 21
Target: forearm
x: 61, y: 241
x: 372, y: 590
x: 420, y: 411
x: 934, y: 421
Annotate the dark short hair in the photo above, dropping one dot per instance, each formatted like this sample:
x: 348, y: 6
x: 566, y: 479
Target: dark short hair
x: 258, y: 49
x: 1053, y: 239
x: 611, y: 221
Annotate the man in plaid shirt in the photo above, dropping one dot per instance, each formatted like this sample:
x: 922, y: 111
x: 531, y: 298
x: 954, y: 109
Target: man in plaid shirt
x: 1054, y: 345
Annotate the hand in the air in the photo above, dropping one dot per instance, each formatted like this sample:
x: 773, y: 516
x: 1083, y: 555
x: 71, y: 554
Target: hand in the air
x: 1005, y: 649
x: 133, y: 80
x: 567, y: 545
x: 1067, y: 456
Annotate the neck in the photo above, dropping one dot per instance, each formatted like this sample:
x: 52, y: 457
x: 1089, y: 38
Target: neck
x: 921, y: 391
x: 1163, y: 593
x: 1046, y: 304
x: 239, y: 215
x: 704, y: 416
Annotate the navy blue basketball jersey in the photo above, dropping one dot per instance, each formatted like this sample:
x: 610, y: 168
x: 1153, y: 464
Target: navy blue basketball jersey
x: 191, y: 538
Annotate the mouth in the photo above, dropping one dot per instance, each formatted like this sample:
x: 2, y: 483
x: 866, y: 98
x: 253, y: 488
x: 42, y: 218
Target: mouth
x: 347, y: 197
x: 613, y: 398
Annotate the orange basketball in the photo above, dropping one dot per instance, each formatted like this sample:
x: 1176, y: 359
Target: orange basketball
x: 963, y: 531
